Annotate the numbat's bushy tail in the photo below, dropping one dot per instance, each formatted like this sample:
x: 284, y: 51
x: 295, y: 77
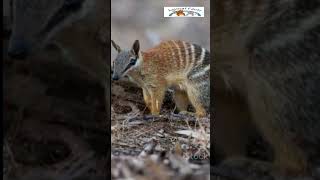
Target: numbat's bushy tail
x: 180, y: 65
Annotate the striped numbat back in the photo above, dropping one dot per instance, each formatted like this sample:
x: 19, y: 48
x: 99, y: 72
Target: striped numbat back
x: 194, y: 65
x: 181, y: 65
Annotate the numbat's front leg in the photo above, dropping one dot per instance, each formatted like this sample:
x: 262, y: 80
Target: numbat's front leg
x: 147, y: 98
x: 157, y: 96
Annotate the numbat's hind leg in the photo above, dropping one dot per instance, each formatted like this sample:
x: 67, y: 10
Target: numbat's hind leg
x: 194, y: 98
x: 181, y: 100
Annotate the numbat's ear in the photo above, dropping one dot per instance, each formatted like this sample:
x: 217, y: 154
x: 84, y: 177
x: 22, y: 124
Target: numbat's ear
x: 136, y: 47
x: 116, y: 46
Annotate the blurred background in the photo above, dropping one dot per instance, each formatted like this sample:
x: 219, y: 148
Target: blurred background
x: 143, y: 20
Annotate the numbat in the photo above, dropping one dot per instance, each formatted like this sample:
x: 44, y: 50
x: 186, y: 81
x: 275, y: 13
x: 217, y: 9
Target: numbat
x: 179, y: 65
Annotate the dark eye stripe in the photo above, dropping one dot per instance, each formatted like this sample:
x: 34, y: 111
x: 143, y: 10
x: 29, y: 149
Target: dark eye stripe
x: 129, y: 65
x: 67, y: 9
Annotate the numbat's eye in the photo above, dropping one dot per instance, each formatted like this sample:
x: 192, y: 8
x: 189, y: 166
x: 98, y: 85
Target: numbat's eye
x: 133, y: 61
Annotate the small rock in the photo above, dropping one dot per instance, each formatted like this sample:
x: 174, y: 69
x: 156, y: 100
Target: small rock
x: 184, y: 147
x: 161, y: 131
x: 158, y: 148
x: 154, y: 157
x: 143, y: 154
x: 160, y: 135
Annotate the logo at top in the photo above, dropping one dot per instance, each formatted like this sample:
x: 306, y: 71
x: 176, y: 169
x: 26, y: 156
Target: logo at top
x: 183, y: 11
